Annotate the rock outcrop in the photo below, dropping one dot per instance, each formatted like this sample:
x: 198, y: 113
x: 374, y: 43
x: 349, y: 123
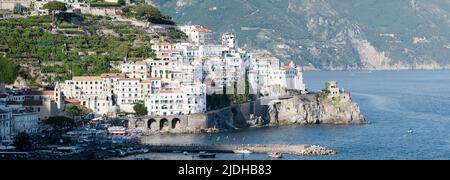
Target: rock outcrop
x: 300, y: 109
x: 312, y: 109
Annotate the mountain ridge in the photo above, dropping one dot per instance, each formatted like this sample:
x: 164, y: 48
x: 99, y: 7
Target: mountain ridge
x: 331, y: 34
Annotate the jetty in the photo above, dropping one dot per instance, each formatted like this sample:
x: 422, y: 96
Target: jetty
x: 301, y: 150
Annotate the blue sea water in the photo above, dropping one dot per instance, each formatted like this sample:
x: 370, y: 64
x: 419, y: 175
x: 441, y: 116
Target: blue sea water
x: 392, y: 101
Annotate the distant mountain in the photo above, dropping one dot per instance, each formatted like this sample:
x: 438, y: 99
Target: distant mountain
x: 331, y: 34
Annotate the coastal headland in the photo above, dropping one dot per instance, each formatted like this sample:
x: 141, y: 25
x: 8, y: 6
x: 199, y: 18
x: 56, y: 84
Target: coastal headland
x: 311, y: 108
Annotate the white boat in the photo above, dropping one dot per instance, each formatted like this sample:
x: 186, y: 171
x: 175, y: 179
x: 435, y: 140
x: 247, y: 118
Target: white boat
x: 242, y: 151
x: 275, y: 155
x: 206, y: 155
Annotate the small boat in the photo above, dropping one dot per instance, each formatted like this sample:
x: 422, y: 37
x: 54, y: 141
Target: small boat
x: 185, y: 153
x: 242, y: 151
x: 275, y: 155
x: 206, y: 155
x: 410, y: 131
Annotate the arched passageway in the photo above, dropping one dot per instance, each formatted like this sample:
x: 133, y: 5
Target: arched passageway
x: 163, y: 124
x: 176, y: 123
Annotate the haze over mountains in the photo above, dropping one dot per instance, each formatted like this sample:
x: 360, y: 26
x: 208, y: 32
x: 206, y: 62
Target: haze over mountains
x: 331, y: 34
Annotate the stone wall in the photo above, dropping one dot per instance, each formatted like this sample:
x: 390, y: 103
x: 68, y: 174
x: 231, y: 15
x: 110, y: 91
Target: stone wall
x: 300, y: 109
x: 100, y: 11
x: 11, y: 4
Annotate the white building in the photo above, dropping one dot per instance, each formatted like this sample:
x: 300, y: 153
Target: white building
x: 266, y: 76
x: 14, y: 119
x: 212, y: 50
x: 138, y: 69
x: 5, y: 126
x: 188, y: 99
x: 129, y: 92
x: 197, y: 34
x: 94, y: 92
x: 229, y: 40
x: 24, y: 121
x: 178, y: 79
x: 167, y: 69
x: 42, y: 102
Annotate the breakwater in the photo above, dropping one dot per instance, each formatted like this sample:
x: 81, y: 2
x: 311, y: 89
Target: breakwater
x: 303, y: 150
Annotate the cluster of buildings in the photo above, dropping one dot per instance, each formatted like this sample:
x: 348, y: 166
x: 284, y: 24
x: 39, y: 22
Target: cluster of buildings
x: 176, y: 82
x: 181, y: 76
x: 36, y: 7
x: 15, y: 115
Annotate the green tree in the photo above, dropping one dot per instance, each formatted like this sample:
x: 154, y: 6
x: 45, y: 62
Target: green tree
x: 76, y: 111
x: 148, y: 13
x: 55, y: 7
x: 8, y: 70
x: 121, y: 2
x: 60, y: 122
x: 22, y: 141
x: 140, y: 109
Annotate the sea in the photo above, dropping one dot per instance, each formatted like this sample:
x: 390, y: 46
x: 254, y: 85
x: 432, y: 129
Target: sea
x: 408, y: 114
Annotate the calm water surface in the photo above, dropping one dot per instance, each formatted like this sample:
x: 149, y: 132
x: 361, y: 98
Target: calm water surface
x: 392, y: 101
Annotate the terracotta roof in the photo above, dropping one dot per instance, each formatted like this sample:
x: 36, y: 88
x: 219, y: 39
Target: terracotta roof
x: 129, y: 79
x: 172, y: 85
x: 107, y: 75
x: 146, y: 81
x: 166, y: 44
x: 35, y: 93
x: 203, y: 30
x: 287, y: 67
x: 171, y: 50
x: 154, y: 78
x: 166, y: 91
x: 72, y: 101
x: 87, y: 78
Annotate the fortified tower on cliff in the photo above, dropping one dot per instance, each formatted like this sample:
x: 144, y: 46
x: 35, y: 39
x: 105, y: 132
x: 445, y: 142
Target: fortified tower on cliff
x: 332, y: 88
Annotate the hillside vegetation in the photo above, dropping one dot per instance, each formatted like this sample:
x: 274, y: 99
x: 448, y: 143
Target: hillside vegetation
x: 81, y: 45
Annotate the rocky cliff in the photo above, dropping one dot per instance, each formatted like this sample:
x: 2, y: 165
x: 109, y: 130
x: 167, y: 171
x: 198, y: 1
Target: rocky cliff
x: 300, y: 109
x: 312, y: 109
